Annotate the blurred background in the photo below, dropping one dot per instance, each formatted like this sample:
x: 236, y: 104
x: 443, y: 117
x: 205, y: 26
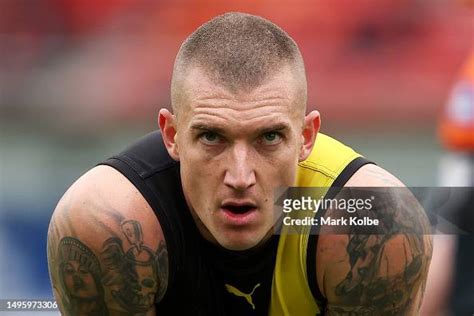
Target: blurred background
x: 80, y: 79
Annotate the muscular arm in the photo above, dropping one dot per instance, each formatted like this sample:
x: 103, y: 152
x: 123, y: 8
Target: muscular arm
x: 106, y: 251
x: 378, y: 274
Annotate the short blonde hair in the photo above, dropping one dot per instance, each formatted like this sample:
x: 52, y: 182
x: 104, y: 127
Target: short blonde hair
x: 237, y: 50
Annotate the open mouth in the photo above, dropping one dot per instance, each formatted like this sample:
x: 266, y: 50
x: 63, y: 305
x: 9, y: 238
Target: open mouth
x: 242, y: 209
x: 238, y: 208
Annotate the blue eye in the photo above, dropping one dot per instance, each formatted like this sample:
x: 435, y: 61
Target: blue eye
x: 210, y: 138
x: 271, y: 138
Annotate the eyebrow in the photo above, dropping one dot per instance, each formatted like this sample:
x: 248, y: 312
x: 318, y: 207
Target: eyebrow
x: 278, y: 127
x: 209, y: 128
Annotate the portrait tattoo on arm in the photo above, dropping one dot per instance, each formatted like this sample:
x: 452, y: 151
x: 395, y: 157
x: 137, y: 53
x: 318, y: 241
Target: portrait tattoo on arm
x: 80, y: 277
x: 132, y: 276
x: 388, y: 270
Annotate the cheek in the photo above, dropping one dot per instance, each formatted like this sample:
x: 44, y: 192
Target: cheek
x: 286, y: 176
x: 198, y: 165
x: 199, y: 175
x: 283, y: 169
x: 200, y: 180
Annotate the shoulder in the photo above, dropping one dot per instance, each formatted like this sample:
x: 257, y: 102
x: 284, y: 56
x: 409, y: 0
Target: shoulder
x: 103, y: 193
x: 101, y: 232
x: 371, y: 175
x: 383, y: 273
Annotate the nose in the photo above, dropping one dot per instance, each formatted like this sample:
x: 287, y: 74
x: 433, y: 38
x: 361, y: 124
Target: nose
x: 240, y: 173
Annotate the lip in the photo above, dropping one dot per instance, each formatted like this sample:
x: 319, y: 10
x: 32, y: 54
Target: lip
x: 233, y: 202
x: 236, y: 219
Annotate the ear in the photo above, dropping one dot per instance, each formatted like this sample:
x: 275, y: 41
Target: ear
x: 167, y: 123
x: 312, y: 123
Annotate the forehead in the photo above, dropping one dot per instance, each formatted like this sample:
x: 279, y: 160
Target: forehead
x: 278, y: 98
x: 196, y: 80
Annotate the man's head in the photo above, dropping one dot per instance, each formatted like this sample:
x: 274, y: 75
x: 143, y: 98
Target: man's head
x: 238, y: 51
x: 239, y: 126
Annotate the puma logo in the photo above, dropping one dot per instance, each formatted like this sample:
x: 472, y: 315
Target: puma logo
x: 231, y: 289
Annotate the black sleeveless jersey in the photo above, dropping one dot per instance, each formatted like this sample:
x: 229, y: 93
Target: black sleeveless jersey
x: 205, y: 279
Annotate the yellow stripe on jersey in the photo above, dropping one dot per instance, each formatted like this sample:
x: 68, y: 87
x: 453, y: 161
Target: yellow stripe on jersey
x: 291, y: 294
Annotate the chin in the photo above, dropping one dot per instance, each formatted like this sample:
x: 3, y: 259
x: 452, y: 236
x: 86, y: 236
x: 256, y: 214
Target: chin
x: 240, y: 241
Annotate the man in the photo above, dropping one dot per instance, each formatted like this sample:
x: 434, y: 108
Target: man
x: 182, y: 222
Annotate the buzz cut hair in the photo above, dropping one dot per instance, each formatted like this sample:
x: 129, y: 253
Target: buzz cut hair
x: 238, y: 51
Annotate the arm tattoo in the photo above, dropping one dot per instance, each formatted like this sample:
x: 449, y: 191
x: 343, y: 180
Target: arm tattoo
x: 79, y: 277
x: 132, y: 272
x: 132, y: 276
x: 375, y: 285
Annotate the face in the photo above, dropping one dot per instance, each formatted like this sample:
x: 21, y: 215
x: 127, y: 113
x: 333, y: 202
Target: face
x: 79, y: 280
x: 234, y: 150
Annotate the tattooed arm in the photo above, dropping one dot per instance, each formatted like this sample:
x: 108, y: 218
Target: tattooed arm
x: 106, y: 250
x: 377, y: 274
